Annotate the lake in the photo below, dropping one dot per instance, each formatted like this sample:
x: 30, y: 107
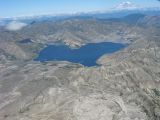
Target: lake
x: 25, y: 41
x: 86, y: 55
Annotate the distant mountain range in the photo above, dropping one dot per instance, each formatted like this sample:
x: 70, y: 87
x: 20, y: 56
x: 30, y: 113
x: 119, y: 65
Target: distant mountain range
x: 114, y: 13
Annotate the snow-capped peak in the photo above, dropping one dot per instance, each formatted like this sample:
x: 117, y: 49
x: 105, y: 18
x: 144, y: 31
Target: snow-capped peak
x: 126, y: 5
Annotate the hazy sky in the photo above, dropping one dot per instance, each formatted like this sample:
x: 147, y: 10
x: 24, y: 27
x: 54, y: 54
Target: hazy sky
x: 10, y: 8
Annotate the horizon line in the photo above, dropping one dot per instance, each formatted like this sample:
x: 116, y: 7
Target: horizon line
x: 78, y: 13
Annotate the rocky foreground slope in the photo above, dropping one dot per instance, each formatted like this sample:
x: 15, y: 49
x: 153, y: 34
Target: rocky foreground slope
x: 125, y: 87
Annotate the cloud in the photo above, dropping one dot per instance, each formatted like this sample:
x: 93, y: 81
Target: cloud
x: 126, y: 5
x: 15, y: 25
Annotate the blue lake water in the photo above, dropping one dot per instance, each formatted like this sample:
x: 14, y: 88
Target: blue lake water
x: 86, y: 55
x: 25, y: 41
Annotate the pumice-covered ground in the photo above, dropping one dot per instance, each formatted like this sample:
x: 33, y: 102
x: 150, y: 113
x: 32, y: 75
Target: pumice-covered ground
x: 126, y: 85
